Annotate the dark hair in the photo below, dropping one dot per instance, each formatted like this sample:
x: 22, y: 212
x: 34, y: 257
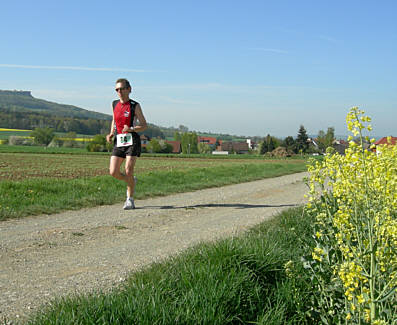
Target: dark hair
x: 124, y: 81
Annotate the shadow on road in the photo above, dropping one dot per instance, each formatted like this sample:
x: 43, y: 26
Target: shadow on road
x: 217, y: 205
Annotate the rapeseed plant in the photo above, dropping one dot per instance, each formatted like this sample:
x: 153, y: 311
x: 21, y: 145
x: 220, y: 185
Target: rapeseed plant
x: 354, y: 201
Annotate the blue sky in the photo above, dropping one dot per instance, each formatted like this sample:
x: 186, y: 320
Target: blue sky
x: 238, y: 67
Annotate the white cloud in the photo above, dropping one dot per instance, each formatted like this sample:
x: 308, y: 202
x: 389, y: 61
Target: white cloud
x: 268, y: 50
x: 329, y: 39
x: 48, y: 67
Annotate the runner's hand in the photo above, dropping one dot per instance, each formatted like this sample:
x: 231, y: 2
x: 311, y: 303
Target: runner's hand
x: 109, y: 138
x: 126, y: 128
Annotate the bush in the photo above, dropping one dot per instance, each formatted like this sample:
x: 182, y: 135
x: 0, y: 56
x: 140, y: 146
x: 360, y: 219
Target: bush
x: 99, y: 144
x: 43, y: 136
x: 204, y: 148
x: 158, y: 146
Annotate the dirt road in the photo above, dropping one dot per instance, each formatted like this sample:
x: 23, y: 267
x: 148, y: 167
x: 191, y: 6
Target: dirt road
x: 77, y: 251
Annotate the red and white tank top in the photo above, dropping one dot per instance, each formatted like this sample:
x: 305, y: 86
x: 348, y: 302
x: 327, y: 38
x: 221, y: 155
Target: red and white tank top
x: 123, y: 115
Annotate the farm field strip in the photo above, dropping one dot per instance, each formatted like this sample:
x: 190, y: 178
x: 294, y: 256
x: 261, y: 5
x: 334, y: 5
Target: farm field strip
x: 22, y: 166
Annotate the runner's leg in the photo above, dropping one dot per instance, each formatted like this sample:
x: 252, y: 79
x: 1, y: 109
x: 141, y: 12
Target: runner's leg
x: 114, y: 168
x: 129, y: 172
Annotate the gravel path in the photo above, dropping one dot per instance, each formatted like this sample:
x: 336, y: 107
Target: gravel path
x: 77, y: 251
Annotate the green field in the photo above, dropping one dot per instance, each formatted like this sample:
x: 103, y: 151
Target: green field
x: 20, y: 133
x: 42, y: 183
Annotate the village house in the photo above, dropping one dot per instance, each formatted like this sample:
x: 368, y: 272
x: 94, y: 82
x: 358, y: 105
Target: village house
x: 233, y: 147
x: 252, y: 144
x: 176, y: 146
x: 209, y: 140
x: 384, y: 140
x: 340, y: 146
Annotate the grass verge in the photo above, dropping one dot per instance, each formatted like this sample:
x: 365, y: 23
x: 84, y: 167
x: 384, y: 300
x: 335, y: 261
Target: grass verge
x: 231, y: 281
x: 49, y: 195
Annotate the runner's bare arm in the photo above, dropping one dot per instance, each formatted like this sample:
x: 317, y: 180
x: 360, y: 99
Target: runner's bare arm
x: 142, y: 126
x: 111, y: 134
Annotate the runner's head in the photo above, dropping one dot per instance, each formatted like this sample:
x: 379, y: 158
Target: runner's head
x: 123, y: 88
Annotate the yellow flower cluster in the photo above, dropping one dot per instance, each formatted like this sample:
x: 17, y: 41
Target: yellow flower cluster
x: 318, y: 254
x: 351, y: 275
x: 357, y: 215
x: 288, y: 267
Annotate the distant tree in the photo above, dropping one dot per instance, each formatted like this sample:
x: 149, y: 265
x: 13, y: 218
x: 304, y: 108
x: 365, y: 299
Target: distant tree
x: 183, y: 128
x: 189, y: 143
x: 100, y: 139
x: 262, y: 147
x: 177, y: 136
x: 193, y: 142
x: 289, y: 143
x: 185, y: 143
x: 43, y: 135
x: 325, y: 140
x: 204, y: 148
x: 277, y: 142
x: 98, y: 144
x: 267, y: 145
x: 153, y: 132
x: 165, y: 147
x: 301, y: 144
x: 154, y: 146
x: 270, y: 143
x: 159, y: 146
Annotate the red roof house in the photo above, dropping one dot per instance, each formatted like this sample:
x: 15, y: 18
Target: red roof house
x: 176, y: 146
x: 384, y: 141
x: 209, y: 140
x: 237, y: 147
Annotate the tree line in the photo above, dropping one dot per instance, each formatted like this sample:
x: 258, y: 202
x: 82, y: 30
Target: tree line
x: 300, y: 144
x: 31, y: 120
x: 189, y: 142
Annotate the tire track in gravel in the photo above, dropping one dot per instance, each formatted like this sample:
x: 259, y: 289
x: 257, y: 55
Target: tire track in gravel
x: 80, y: 251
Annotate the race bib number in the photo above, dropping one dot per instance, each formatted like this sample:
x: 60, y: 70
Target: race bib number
x: 124, y: 140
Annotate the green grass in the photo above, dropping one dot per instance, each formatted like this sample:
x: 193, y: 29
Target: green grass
x: 49, y: 195
x: 238, y: 280
x: 27, y: 133
x: 41, y: 149
x: 63, y: 150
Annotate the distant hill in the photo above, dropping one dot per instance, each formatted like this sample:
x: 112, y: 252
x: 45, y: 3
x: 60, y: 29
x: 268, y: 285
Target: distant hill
x: 24, y: 101
x: 20, y: 110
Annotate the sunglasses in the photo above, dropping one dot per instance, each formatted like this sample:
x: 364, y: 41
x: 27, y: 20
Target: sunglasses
x: 120, y: 89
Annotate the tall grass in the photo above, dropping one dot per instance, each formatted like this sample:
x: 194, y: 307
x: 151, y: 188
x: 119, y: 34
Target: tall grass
x: 232, y: 281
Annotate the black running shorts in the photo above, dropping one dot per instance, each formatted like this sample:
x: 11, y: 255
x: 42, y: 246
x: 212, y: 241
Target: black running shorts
x: 134, y: 150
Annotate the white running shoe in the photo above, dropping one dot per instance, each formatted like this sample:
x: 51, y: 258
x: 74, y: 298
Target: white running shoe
x: 129, y: 204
